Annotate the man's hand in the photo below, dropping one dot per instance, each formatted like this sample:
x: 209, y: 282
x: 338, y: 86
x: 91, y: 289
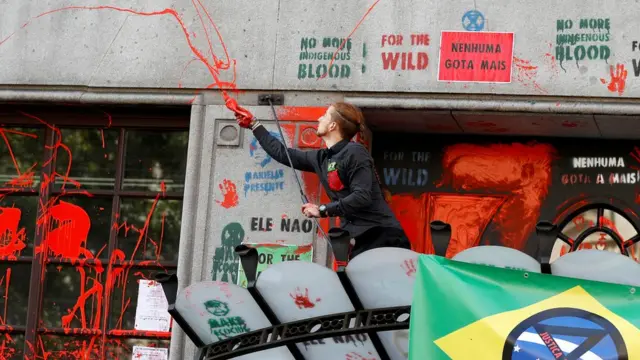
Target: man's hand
x: 310, y: 210
x: 243, y: 116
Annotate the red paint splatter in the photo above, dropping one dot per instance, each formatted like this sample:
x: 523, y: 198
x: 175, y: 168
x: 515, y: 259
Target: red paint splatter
x: 301, y: 300
x: 300, y: 113
x: 8, y: 347
x: 65, y: 228
x: 303, y: 249
x: 524, y: 171
x: 469, y: 215
x: 635, y: 154
x: 526, y: 74
x: 551, y: 60
x: 214, y: 64
x: 569, y: 124
x: 618, y: 79
x: 580, y: 223
x: 357, y: 356
x: 12, y: 240
x: 409, y: 267
x: 230, y: 196
x: 333, y: 58
x: 410, y: 210
x: 289, y: 131
x: 67, y: 240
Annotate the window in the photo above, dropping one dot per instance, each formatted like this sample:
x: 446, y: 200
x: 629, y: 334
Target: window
x: 598, y: 228
x: 90, y: 203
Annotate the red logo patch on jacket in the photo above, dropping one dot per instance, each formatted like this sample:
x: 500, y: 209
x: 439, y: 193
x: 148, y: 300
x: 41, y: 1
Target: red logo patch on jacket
x: 333, y: 178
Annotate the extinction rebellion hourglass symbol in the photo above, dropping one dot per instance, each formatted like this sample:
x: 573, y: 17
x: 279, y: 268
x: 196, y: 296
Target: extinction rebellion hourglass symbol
x: 565, y: 333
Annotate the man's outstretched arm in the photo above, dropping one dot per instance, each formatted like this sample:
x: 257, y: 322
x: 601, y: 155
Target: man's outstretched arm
x: 300, y: 160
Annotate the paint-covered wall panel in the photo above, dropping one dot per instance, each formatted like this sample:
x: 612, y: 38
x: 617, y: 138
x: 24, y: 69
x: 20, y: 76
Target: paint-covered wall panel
x: 494, y: 190
x: 255, y: 199
x: 575, y: 48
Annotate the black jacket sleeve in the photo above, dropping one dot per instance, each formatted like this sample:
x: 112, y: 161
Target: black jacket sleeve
x: 301, y: 160
x: 359, y: 174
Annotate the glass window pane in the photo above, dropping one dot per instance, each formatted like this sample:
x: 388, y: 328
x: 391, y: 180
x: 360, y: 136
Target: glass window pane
x: 560, y: 248
x: 599, y: 241
x: 160, y: 239
x: 89, y: 161
x: 580, y: 223
x: 123, y: 348
x: 619, y: 224
x: 152, y: 157
x: 57, y: 347
x: 21, y: 153
x: 11, y: 347
x: 17, y: 225
x: 13, y: 303
x: 73, y: 297
x: 78, y: 227
x: 124, y: 299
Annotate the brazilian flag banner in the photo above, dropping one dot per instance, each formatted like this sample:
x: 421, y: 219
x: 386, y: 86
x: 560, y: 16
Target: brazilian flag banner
x: 465, y: 311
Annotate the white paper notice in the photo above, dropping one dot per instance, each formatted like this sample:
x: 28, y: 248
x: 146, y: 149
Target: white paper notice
x: 151, y: 311
x: 149, y: 353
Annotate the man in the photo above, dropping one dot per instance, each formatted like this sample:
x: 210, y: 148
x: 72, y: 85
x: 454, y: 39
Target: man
x: 346, y: 172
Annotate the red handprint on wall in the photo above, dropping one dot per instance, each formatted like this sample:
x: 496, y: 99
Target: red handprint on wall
x: 301, y: 300
x: 229, y: 193
x: 409, y: 266
x: 618, y: 79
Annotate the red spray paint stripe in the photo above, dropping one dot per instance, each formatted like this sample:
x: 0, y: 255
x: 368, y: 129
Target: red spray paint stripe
x: 333, y: 58
x: 300, y: 113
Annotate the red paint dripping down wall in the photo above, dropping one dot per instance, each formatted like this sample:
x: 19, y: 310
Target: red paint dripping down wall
x: 468, y: 215
x: 411, y: 212
x: 523, y: 172
x: 491, y: 184
x: 12, y: 240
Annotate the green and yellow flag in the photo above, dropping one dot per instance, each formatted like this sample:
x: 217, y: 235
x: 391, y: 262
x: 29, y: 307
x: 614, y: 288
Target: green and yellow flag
x: 464, y: 311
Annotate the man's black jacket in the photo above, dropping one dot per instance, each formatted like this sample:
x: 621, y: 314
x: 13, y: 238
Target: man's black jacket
x: 346, y: 173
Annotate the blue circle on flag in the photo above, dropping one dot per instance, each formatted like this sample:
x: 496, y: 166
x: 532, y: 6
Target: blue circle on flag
x: 565, y: 333
x: 473, y: 20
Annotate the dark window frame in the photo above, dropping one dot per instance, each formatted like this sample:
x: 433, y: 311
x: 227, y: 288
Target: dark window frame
x: 73, y: 116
